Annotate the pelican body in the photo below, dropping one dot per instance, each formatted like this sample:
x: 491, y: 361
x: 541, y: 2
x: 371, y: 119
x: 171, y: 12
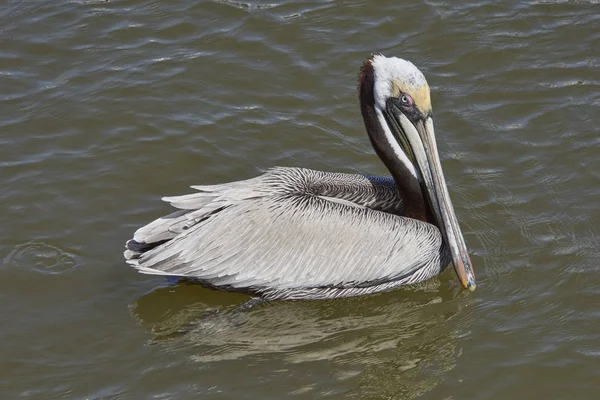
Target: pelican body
x: 295, y: 233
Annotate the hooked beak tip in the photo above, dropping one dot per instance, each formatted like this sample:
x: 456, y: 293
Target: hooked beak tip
x: 471, y: 285
x: 468, y: 282
x: 465, y: 274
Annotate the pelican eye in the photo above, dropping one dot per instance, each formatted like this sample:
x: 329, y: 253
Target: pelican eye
x: 407, y: 101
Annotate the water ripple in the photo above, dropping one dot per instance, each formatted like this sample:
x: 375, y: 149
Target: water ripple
x: 42, y: 258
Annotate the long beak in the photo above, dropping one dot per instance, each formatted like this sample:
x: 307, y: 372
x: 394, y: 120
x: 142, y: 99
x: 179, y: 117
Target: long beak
x: 421, y: 138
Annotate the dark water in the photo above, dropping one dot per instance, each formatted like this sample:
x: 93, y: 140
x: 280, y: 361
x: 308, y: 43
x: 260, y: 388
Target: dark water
x: 107, y: 105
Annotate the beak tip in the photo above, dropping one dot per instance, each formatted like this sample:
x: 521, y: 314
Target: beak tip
x: 471, y: 285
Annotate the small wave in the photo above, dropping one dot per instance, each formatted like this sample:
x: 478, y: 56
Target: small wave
x: 41, y: 258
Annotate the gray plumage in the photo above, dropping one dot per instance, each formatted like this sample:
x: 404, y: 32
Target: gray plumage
x: 295, y: 233
x: 292, y: 233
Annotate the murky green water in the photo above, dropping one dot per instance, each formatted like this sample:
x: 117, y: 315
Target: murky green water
x: 107, y: 105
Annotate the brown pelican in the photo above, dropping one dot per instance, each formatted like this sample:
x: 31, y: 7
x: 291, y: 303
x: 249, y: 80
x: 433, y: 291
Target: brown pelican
x: 295, y: 233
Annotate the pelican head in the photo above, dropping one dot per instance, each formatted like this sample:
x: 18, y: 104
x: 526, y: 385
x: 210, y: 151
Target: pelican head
x: 396, y: 106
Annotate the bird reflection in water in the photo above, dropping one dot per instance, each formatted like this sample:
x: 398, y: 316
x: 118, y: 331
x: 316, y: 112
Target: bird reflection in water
x: 393, y: 343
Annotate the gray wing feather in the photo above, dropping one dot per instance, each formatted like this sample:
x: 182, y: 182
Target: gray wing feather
x: 378, y: 193
x: 290, y: 229
x: 195, y: 207
x: 294, y: 243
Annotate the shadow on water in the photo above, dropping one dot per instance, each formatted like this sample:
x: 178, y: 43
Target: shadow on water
x: 394, y: 345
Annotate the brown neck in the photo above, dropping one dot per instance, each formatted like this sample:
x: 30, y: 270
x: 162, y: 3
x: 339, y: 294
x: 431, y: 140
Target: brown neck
x: 408, y: 186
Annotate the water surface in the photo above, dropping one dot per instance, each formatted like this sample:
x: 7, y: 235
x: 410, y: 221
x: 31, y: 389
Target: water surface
x: 108, y: 105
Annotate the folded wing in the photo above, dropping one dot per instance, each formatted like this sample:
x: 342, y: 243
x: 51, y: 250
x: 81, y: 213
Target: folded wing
x: 293, y: 243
